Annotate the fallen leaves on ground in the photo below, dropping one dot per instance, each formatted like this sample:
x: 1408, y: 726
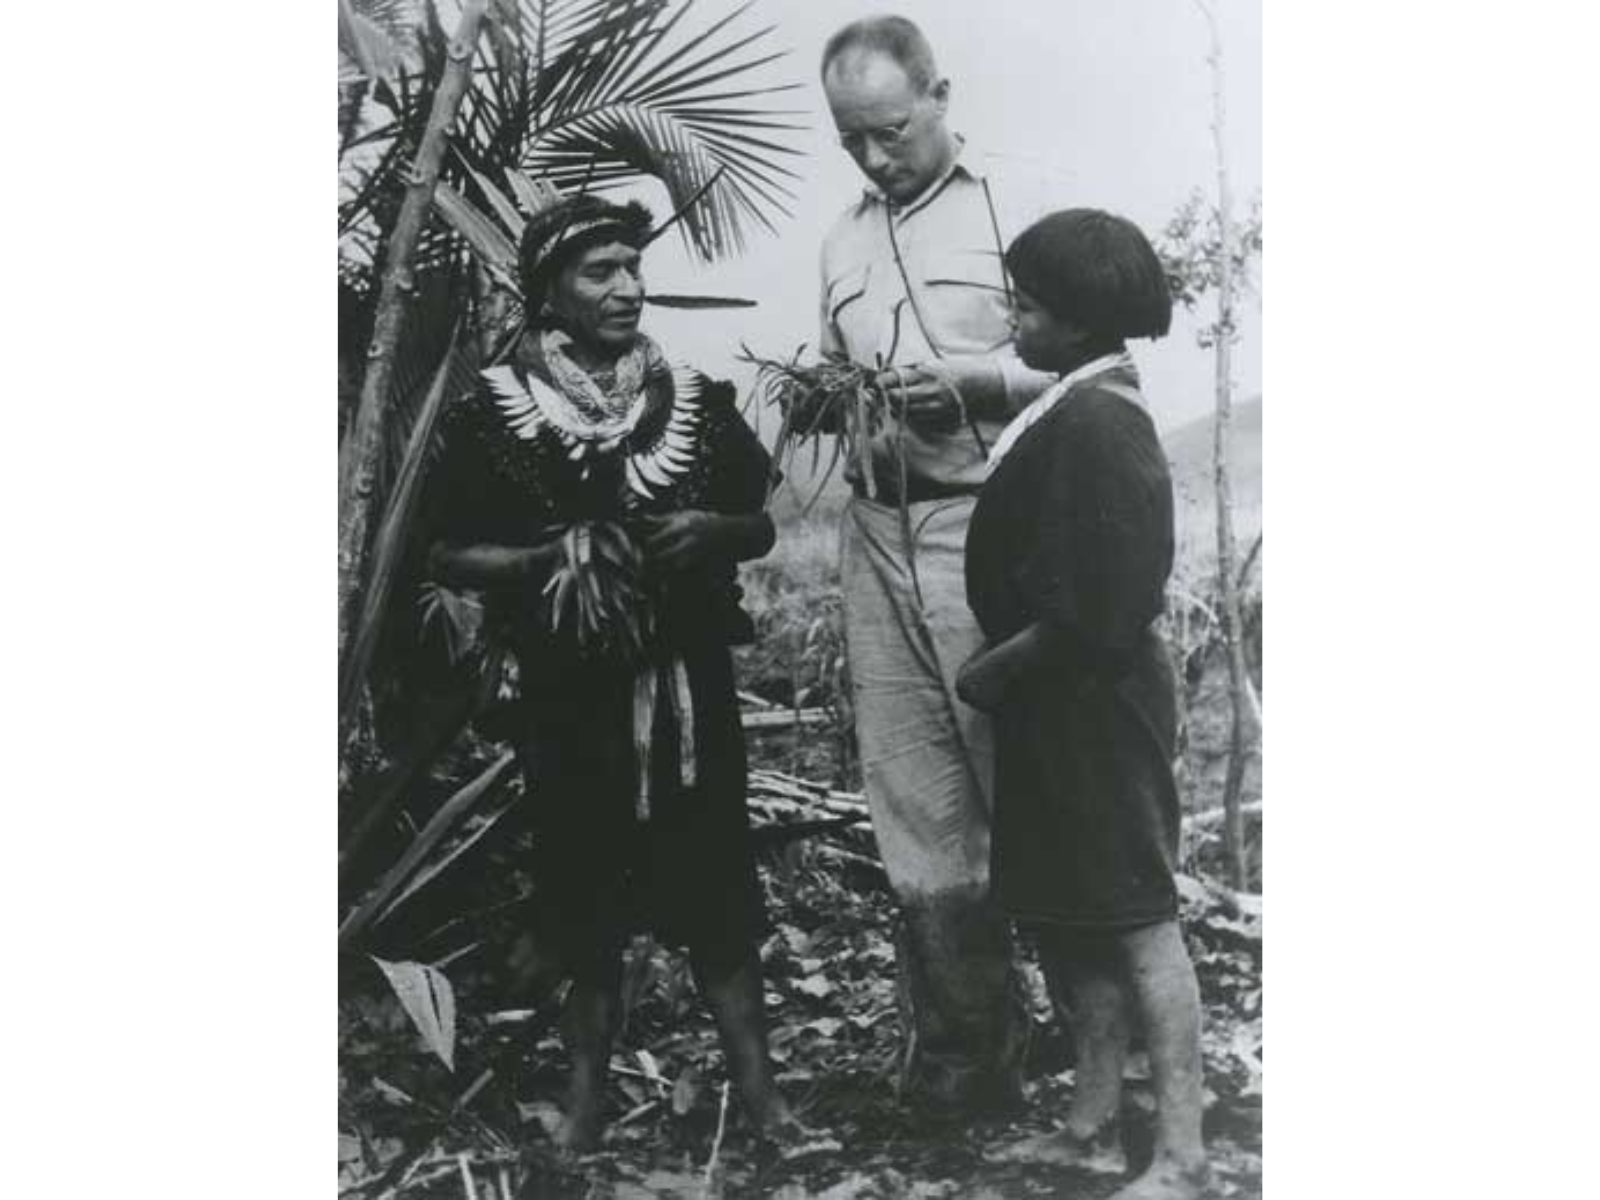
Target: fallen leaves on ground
x: 835, y: 1037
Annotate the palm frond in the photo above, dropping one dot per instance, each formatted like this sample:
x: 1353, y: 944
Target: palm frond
x: 603, y: 91
x: 493, y: 777
x: 495, y: 249
x: 545, y: 28
x: 653, y: 110
x: 393, y: 533
x: 502, y: 205
x: 533, y: 195
x: 366, y: 49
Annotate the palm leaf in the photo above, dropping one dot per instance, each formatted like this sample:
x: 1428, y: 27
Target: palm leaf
x: 502, y: 205
x: 631, y: 105
x: 429, y: 1001
x: 612, y: 92
x: 533, y: 195
x: 454, y: 810
x: 390, y: 541
x: 495, y: 250
x: 366, y: 49
x: 449, y: 858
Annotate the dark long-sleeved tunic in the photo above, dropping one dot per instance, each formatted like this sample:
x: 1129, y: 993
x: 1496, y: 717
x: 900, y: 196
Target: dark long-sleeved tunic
x: 508, y: 477
x: 1074, y: 528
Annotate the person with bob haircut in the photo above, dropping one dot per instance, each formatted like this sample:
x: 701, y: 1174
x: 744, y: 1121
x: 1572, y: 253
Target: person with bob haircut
x: 1067, y: 561
x: 589, y: 457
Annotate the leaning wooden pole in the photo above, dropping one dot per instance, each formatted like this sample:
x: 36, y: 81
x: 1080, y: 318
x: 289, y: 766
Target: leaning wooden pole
x: 1227, y: 548
x: 359, y: 455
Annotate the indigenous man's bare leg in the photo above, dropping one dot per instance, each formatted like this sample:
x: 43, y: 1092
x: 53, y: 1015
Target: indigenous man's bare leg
x: 735, y: 1000
x: 589, y: 1023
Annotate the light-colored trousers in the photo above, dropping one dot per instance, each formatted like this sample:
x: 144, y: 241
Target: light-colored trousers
x: 928, y: 764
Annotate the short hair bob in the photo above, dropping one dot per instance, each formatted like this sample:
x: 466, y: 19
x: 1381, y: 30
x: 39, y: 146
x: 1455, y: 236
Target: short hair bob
x: 557, y: 235
x: 893, y: 36
x: 1095, y: 270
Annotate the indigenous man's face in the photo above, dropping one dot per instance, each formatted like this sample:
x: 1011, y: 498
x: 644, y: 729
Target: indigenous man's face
x: 601, y: 294
x: 1044, y: 341
x: 895, y: 133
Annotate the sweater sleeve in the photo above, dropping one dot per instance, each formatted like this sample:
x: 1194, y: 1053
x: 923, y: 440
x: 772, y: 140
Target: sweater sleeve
x: 1100, y: 564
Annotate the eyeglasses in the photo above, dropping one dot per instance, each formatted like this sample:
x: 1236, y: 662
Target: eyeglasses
x: 887, y: 137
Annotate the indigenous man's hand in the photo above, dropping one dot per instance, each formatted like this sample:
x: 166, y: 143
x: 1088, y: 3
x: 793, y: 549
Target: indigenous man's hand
x: 682, y: 541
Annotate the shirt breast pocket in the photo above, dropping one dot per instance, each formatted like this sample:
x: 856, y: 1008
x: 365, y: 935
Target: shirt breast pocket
x: 847, y: 312
x: 964, y: 301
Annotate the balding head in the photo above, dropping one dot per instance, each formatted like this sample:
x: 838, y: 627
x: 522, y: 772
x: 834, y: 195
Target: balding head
x: 888, y: 103
x: 893, y: 37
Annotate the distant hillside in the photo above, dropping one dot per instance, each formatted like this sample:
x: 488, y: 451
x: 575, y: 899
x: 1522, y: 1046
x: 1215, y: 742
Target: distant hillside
x: 1189, y: 453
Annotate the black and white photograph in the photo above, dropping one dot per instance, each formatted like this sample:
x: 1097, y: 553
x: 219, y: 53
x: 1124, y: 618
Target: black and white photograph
x: 761, y: 691
x: 800, y: 599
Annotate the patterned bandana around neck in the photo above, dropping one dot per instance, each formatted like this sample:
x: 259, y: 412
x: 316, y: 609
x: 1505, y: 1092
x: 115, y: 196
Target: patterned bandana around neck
x: 584, y: 412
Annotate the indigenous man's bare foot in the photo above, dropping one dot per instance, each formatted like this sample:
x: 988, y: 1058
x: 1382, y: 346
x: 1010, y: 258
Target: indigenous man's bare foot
x: 1098, y: 1154
x: 1168, y: 1179
x: 579, y: 1132
x: 774, y: 1121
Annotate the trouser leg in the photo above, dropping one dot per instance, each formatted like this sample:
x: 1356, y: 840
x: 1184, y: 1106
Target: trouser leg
x: 926, y: 764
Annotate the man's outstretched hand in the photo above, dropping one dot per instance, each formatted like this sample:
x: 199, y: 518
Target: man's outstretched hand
x: 936, y: 396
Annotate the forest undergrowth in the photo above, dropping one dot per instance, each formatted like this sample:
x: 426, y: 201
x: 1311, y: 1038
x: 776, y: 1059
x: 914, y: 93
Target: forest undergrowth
x: 481, y: 1129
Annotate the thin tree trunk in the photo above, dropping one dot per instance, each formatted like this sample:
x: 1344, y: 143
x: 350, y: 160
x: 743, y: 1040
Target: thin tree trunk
x: 1227, y: 549
x: 358, y: 458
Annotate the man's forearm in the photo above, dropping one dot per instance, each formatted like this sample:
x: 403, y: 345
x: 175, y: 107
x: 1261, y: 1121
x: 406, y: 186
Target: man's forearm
x: 996, y: 387
x: 489, y: 565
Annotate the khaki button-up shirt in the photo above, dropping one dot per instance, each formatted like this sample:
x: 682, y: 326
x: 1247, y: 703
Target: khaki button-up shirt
x: 946, y: 246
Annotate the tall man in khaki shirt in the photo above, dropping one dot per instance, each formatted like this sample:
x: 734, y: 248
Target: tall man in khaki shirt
x: 912, y: 281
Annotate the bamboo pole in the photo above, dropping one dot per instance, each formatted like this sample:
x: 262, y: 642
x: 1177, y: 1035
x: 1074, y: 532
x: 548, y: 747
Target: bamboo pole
x: 1227, y: 547
x: 358, y: 457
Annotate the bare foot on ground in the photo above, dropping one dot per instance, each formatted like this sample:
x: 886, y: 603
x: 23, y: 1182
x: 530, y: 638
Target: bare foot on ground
x: 579, y: 1132
x: 1168, y: 1179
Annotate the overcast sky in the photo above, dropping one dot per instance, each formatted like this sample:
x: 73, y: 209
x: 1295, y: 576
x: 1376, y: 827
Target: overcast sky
x: 1107, y: 102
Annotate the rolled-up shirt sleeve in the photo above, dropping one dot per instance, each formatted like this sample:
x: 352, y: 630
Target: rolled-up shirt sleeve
x: 1020, y: 383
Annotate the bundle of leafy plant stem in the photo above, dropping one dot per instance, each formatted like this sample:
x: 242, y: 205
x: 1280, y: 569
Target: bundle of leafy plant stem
x: 598, y: 591
x: 832, y: 397
x: 839, y: 398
